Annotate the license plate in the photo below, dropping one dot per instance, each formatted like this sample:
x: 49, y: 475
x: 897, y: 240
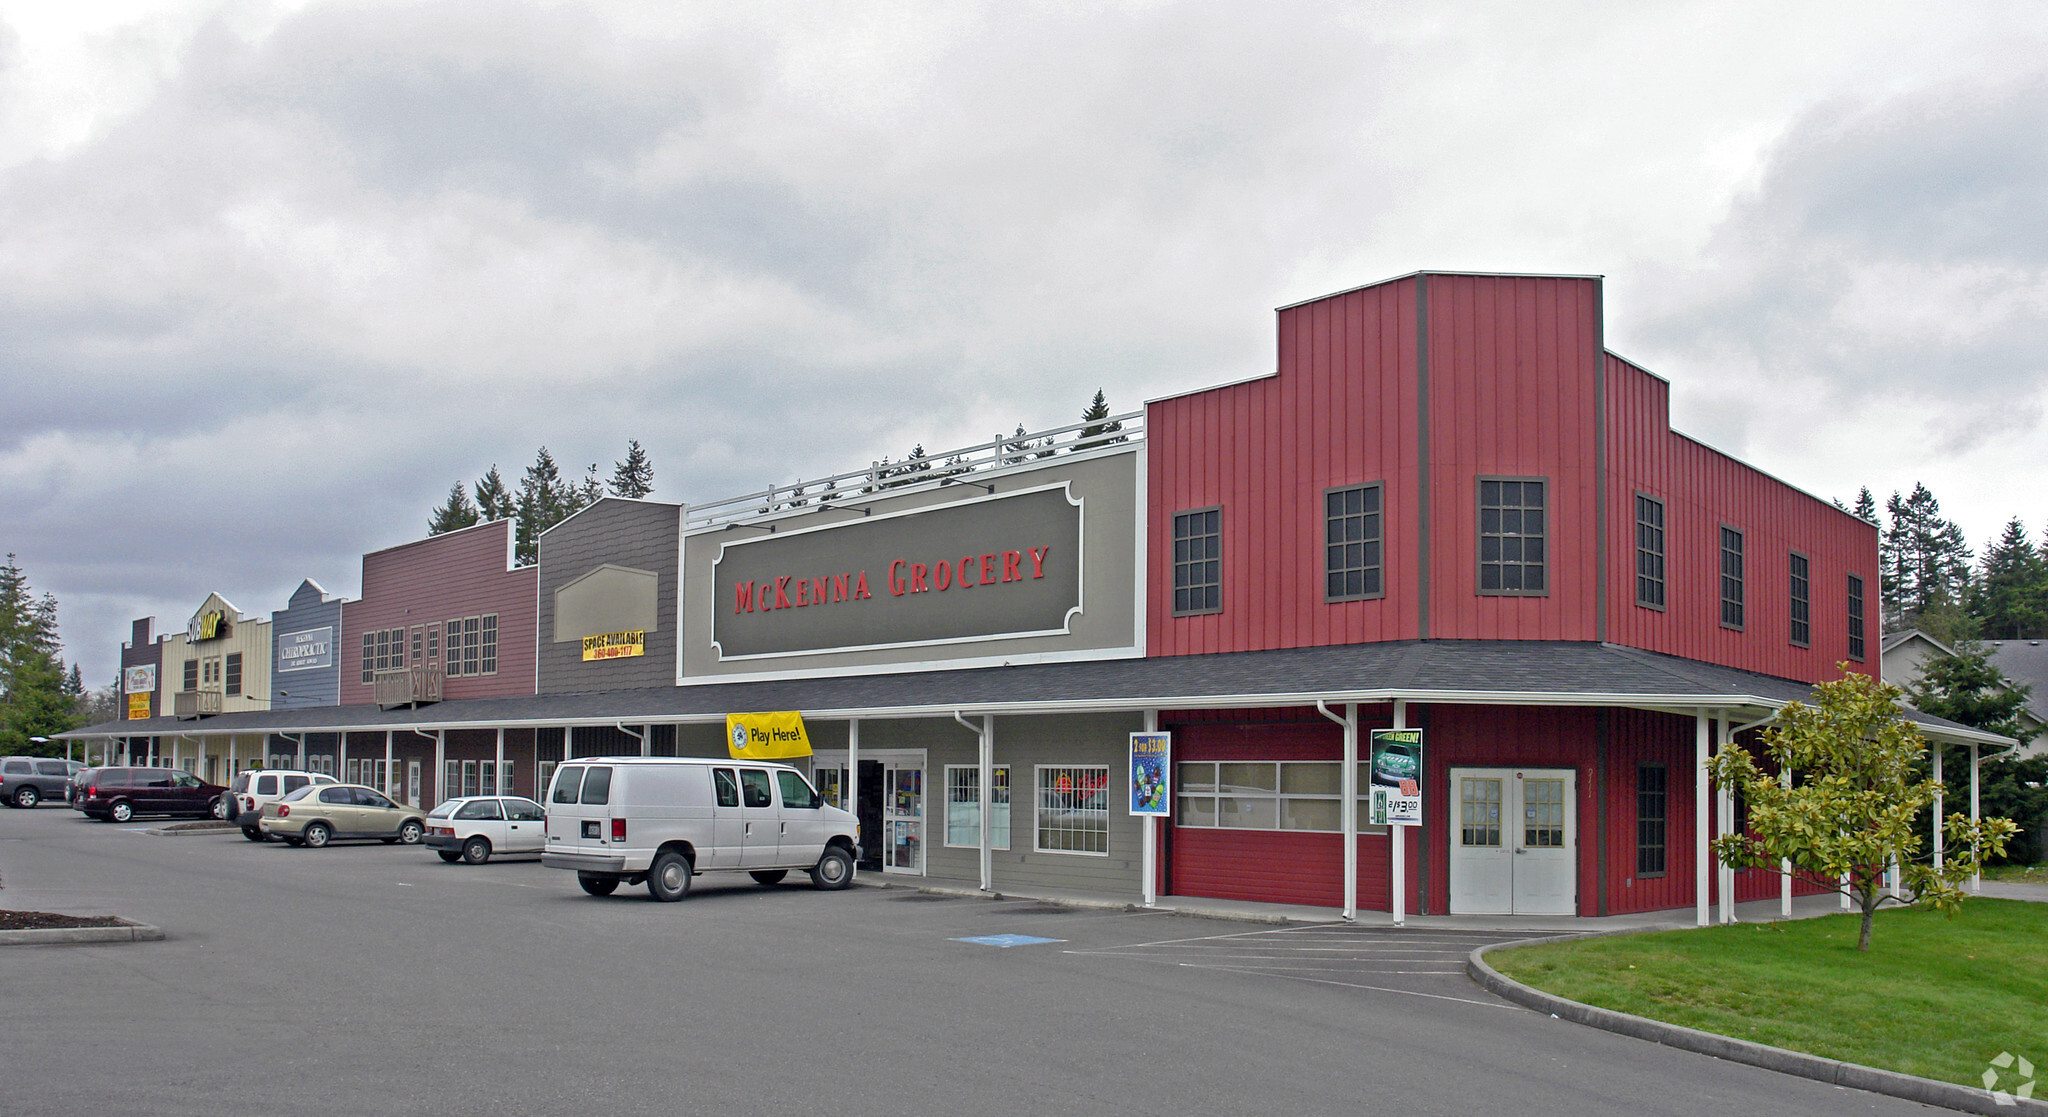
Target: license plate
x: 590, y: 828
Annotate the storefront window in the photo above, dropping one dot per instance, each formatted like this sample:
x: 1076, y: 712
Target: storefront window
x: 963, y: 806
x: 1266, y: 795
x: 1073, y: 809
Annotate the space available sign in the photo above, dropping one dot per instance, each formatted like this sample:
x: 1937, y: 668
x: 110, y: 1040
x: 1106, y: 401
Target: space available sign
x: 987, y: 568
x: 304, y: 651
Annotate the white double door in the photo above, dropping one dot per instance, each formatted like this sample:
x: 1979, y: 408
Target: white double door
x: 1514, y: 841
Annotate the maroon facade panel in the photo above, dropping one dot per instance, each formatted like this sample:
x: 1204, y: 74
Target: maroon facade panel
x: 1428, y: 385
x: 425, y: 584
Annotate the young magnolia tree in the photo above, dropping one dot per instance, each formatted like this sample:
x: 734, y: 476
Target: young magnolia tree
x: 1849, y: 814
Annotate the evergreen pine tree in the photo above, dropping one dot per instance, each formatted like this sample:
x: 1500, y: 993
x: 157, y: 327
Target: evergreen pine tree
x: 33, y: 701
x: 494, y: 501
x: 589, y: 492
x: 1097, y: 410
x: 1866, y: 506
x: 1923, y: 559
x: 2011, y: 585
x: 633, y: 477
x: 544, y: 501
x: 454, y: 514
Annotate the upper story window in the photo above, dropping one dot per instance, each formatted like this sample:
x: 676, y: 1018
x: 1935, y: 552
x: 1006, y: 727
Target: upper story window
x: 383, y: 650
x: 1731, y: 577
x: 1855, y: 617
x: 473, y: 645
x: 191, y: 674
x: 1802, y: 600
x: 1352, y: 527
x: 1649, y: 552
x: 233, y: 679
x: 1197, y: 564
x: 1512, y: 530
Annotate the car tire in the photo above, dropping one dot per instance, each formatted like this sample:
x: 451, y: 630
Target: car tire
x: 316, y: 835
x: 254, y: 834
x: 121, y: 811
x: 477, y: 850
x: 833, y: 871
x: 668, y: 879
x: 449, y: 855
x: 411, y: 831
x: 597, y: 885
x: 768, y: 876
x: 292, y: 842
x: 27, y: 796
x: 219, y: 809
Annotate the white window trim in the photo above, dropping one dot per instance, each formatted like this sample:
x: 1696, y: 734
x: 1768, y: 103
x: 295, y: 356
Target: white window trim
x: 1037, y: 785
x: 1009, y: 813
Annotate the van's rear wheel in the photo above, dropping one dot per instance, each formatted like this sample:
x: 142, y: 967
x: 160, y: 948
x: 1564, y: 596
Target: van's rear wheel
x: 668, y: 879
x: 768, y: 876
x: 449, y: 855
x: 597, y: 885
x: 833, y: 871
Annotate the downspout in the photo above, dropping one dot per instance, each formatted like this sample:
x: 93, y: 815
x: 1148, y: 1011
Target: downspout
x: 1348, y: 810
x: 986, y: 768
x: 640, y: 736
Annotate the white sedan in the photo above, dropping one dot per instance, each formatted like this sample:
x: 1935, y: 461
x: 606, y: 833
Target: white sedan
x: 473, y: 828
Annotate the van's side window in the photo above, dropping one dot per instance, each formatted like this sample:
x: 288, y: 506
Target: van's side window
x: 755, y: 782
x: 566, y: 782
x: 728, y: 788
x: 597, y: 787
x: 795, y: 792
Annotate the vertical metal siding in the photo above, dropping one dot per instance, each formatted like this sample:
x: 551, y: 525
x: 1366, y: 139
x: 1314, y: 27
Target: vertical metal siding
x: 1702, y: 489
x: 430, y: 581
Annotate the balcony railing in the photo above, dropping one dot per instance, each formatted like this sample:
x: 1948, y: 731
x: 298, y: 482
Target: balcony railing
x: 410, y: 686
x: 189, y: 704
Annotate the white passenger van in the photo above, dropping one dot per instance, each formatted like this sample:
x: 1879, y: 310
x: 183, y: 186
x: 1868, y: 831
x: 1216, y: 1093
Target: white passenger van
x: 628, y: 819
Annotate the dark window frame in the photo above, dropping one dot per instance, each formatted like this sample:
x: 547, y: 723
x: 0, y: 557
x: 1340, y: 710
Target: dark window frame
x: 1656, y: 852
x: 1541, y: 565
x: 1799, y: 593
x: 1190, y: 564
x: 1661, y: 557
x: 1372, y: 574
x: 1739, y: 579
x: 231, y: 674
x: 1857, y: 649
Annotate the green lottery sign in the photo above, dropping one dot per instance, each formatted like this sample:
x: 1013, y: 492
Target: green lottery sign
x: 1396, y: 789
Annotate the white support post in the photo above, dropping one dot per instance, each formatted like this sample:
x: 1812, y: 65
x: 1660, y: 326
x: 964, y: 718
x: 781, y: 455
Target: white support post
x: 1348, y: 785
x: 441, y: 767
x: 232, y: 742
x: 302, y: 752
x: 386, y: 788
x: 1700, y: 818
x: 646, y: 745
x: 1726, y: 797
x: 1939, y: 799
x: 1398, y: 876
x: 986, y: 758
x: 498, y: 773
x: 1976, y: 878
x: 852, y: 791
x: 568, y: 743
x: 1785, y: 864
x: 1149, y: 866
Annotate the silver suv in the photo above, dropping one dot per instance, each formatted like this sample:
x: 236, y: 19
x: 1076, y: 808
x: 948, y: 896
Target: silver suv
x: 28, y: 780
x: 257, y: 786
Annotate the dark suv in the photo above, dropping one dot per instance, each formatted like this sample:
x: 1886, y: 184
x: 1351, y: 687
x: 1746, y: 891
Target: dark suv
x: 119, y: 794
x: 28, y: 780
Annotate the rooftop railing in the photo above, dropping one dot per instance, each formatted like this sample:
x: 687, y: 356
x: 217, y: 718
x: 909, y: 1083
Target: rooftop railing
x: 966, y: 464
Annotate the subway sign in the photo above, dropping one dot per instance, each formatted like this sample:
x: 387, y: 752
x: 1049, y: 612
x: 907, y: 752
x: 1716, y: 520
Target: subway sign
x: 990, y: 568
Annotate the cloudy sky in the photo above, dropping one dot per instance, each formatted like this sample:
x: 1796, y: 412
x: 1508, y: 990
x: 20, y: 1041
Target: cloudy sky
x: 273, y: 275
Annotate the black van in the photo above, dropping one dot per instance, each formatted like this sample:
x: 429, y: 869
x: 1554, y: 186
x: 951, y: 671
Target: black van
x: 119, y: 794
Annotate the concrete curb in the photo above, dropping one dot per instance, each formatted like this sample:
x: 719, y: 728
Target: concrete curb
x: 175, y: 832
x: 1926, y: 1091
x: 68, y: 936
x: 1082, y: 903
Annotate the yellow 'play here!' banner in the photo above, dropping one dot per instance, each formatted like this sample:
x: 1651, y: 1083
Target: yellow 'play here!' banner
x: 776, y: 736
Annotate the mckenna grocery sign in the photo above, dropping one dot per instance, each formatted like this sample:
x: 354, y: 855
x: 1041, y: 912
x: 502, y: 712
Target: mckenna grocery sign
x: 980, y: 569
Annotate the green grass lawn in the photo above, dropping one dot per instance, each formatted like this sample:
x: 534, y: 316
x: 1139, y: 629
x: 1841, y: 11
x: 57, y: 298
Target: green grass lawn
x: 2017, y: 874
x: 1936, y: 997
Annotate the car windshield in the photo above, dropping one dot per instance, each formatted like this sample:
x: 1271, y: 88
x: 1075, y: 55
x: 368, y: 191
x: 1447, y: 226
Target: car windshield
x: 299, y: 794
x: 445, y: 809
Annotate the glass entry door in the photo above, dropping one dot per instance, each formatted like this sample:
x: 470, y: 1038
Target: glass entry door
x: 1514, y: 841
x: 902, y: 817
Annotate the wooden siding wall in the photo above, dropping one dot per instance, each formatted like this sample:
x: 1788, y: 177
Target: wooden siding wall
x: 1340, y: 411
x: 1512, y: 382
x: 461, y: 574
x: 1703, y: 489
x: 1509, y: 737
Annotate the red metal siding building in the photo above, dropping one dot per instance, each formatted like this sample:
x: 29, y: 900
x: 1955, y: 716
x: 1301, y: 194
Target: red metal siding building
x: 1432, y: 388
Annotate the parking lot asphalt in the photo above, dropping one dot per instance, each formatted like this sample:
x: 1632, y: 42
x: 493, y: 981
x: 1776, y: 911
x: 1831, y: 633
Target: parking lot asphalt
x: 369, y: 979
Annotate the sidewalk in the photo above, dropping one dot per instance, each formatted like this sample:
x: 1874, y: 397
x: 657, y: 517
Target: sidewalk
x: 1760, y: 911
